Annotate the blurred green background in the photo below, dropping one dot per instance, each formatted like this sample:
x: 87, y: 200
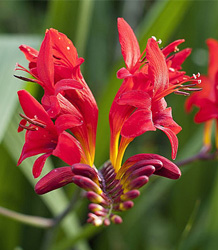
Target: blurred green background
x: 169, y: 214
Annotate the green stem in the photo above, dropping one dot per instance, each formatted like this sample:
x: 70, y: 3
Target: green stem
x: 27, y: 219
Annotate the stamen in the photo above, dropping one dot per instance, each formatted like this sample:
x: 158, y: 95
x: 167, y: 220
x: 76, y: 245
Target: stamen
x: 176, y: 49
x: 172, y: 69
x: 154, y: 38
x: 28, y: 127
x: 178, y: 92
x: 34, y: 121
x: 159, y: 41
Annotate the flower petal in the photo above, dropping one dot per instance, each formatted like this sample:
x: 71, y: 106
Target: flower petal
x: 138, y: 123
x: 172, y: 137
x: 208, y: 110
x: 39, y: 164
x: 129, y: 44
x: 67, y: 121
x: 213, y: 58
x: 68, y: 149
x: 33, y: 108
x: 135, y: 98
x: 66, y: 84
x: 172, y: 47
x: 157, y: 68
x: 45, y: 64
x: 29, y: 52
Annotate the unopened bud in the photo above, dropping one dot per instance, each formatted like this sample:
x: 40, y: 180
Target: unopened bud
x: 116, y: 219
x: 130, y: 195
x: 137, y: 183
x: 93, y: 197
x: 146, y: 170
x: 86, y: 184
x: 107, y: 222
x: 96, y: 207
x: 126, y: 205
x: 85, y: 170
x: 94, y: 219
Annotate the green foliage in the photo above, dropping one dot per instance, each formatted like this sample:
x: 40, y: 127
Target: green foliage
x: 169, y: 214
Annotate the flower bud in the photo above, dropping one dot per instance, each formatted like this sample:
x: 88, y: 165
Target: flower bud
x: 137, y: 183
x: 85, y: 170
x: 86, y: 184
x: 130, y: 195
x: 56, y: 178
x: 116, y: 219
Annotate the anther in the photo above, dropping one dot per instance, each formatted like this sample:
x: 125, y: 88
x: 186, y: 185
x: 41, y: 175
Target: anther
x: 154, y: 38
x: 28, y: 127
x: 178, y: 92
x: 34, y: 121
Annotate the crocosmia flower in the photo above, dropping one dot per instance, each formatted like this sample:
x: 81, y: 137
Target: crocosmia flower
x: 64, y: 123
x: 207, y: 99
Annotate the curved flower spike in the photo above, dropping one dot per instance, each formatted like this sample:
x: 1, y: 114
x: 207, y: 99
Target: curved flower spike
x: 110, y: 192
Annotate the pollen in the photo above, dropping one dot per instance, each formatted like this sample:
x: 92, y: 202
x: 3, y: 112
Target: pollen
x: 68, y: 48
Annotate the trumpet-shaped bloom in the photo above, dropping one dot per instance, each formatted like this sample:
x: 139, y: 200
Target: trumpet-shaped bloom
x: 207, y: 99
x: 43, y: 137
x: 139, y: 105
x: 68, y: 104
x: 56, y: 67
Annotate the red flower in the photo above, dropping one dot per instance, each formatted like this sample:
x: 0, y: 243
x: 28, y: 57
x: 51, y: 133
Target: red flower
x: 139, y: 105
x: 68, y: 103
x: 56, y: 67
x: 43, y: 137
x: 207, y: 99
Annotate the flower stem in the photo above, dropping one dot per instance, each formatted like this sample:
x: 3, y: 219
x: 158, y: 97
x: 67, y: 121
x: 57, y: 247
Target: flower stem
x: 27, y: 219
x: 203, y: 154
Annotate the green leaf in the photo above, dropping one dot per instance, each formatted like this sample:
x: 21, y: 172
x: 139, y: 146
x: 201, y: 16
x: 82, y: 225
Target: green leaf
x: 9, y: 85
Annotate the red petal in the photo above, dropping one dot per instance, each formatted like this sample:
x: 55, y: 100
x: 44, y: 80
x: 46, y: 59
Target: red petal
x: 63, y: 49
x: 164, y: 118
x: 68, y: 149
x: 213, y: 58
x: 135, y: 98
x: 195, y: 98
x: 208, y: 110
x: 39, y: 164
x: 67, y: 121
x: 66, y: 84
x: 172, y: 137
x: 51, y: 105
x: 172, y: 47
x: 129, y: 44
x: 138, y: 123
x: 179, y: 58
x: 157, y: 68
x: 45, y: 64
x: 32, y: 108
x: 30, y: 53
x: 123, y: 73
x: 56, y: 178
